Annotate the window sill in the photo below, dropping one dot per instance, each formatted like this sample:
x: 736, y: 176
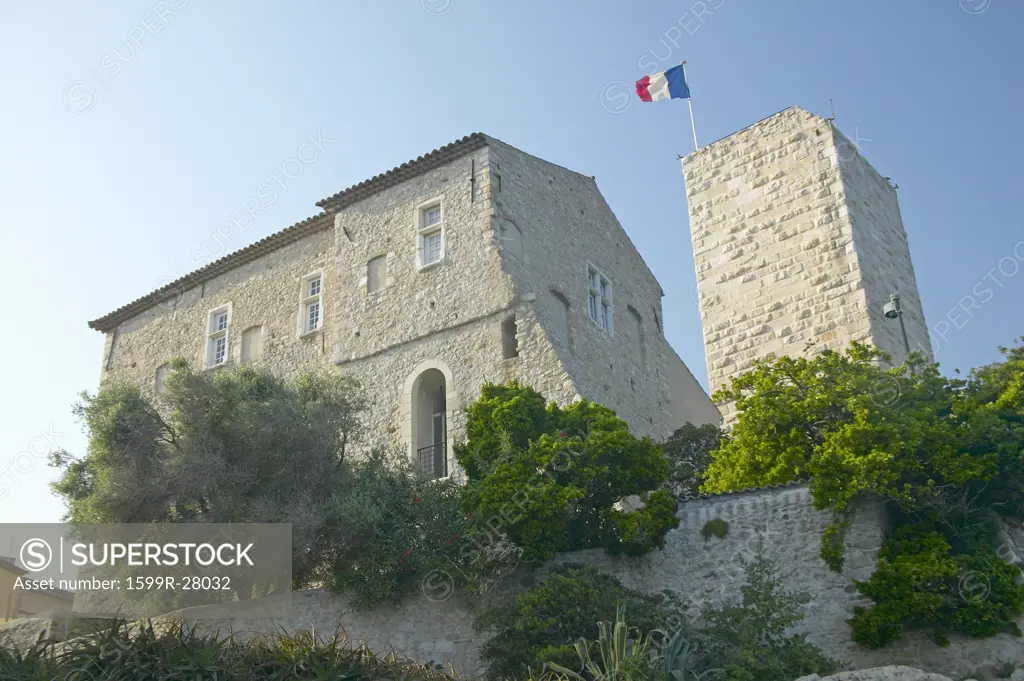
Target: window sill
x: 429, y: 266
x: 314, y: 332
x: 215, y: 367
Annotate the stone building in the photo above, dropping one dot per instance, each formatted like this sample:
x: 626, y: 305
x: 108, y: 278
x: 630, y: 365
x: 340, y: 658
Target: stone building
x: 797, y: 240
x: 476, y: 262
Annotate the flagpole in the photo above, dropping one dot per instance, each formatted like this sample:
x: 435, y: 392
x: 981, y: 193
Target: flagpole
x: 689, y: 101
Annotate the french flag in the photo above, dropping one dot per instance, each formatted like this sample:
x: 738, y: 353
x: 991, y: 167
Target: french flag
x: 670, y: 84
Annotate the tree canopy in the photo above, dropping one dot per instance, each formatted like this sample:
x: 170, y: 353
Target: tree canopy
x: 550, y: 477
x: 238, y: 446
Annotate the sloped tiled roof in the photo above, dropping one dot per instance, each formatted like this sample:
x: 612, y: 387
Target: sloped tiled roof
x: 435, y: 159
x: 216, y: 268
x: 332, y: 204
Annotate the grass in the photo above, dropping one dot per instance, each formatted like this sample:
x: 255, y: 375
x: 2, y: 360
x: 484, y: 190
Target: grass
x: 132, y: 653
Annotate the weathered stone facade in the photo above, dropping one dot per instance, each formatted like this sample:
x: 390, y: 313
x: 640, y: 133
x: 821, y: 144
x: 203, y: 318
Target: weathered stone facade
x: 796, y: 240
x: 507, y: 300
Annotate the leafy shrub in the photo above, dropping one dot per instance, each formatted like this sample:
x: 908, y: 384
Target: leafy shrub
x: 549, y: 477
x: 746, y: 640
x: 542, y: 624
x: 943, y: 455
x: 614, y: 656
x: 236, y: 445
x: 125, y: 653
x: 688, y: 451
x: 387, y: 527
x: 749, y: 640
x: 716, y: 527
x: 919, y: 582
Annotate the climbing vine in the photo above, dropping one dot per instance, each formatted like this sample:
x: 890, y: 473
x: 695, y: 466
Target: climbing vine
x: 942, y: 456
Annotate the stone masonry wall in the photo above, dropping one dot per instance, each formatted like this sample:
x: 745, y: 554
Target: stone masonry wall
x: 437, y: 624
x: 264, y: 293
x: 564, y: 225
x: 883, y: 252
x: 445, y: 316
x: 796, y: 240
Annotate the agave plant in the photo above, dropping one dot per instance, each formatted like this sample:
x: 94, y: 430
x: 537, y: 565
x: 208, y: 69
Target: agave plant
x: 619, y: 656
x: 679, y: 661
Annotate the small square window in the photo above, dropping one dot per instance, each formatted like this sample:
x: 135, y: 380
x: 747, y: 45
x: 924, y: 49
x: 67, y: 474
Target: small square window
x: 222, y: 322
x: 314, y: 287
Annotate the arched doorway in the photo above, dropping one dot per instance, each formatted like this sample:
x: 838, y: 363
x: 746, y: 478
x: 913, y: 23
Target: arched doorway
x: 429, y: 421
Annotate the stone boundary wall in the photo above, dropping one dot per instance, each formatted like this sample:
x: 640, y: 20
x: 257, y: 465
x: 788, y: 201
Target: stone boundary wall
x: 782, y: 520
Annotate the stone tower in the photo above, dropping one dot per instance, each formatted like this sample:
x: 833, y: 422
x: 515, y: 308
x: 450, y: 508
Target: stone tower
x: 796, y: 240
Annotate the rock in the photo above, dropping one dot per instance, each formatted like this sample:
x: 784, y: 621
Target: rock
x: 22, y: 634
x: 1018, y: 675
x: 891, y: 673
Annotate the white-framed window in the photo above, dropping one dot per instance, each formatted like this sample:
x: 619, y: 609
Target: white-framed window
x: 429, y: 233
x: 311, y: 302
x: 599, y: 299
x: 217, y: 327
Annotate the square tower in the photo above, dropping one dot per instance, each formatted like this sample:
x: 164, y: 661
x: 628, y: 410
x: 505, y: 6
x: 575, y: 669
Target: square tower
x: 797, y: 242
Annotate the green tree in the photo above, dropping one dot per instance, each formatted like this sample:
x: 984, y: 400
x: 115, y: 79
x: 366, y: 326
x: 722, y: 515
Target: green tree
x: 550, y: 477
x: 943, y: 455
x: 237, y: 445
x: 688, y: 451
x: 387, y: 527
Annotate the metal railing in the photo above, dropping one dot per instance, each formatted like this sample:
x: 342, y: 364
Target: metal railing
x: 434, y: 459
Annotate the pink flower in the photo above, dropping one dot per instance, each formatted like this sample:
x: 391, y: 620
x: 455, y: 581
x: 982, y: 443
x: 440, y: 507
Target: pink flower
x: 419, y: 499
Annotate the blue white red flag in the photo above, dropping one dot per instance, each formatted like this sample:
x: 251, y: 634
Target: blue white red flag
x: 670, y: 84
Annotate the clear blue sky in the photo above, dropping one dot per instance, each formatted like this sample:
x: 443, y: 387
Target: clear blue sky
x: 120, y: 161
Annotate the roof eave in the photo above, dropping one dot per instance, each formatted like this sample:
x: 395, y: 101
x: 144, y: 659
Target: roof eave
x: 378, y: 183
